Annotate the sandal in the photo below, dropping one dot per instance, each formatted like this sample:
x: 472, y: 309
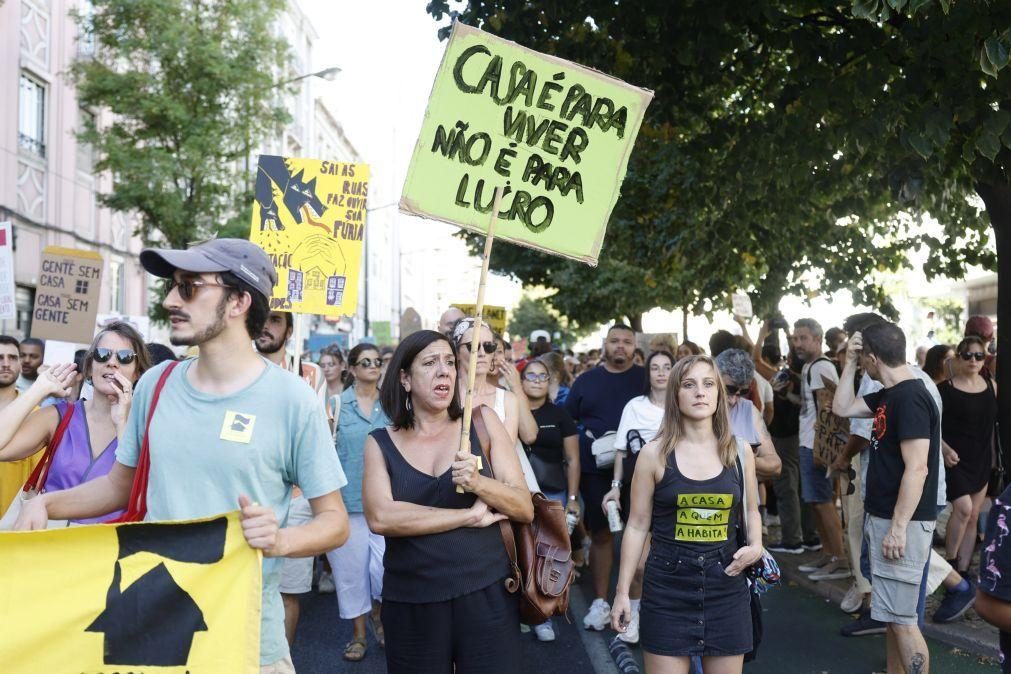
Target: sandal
x: 377, y: 629
x: 355, y: 650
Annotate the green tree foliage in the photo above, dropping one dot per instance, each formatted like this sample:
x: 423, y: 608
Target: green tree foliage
x: 191, y: 86
x: 536, y: 314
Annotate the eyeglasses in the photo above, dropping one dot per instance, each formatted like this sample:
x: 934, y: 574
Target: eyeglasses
x: 123, y: 356
x: 489, y: 347
x: 969, y: 355
x: 534, y: 377
x: 188, y: 287
x: 368, y: 362
x: 738, y: 390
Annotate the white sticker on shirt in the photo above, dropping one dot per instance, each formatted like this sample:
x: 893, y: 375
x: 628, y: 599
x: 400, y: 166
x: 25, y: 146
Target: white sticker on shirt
x: 238, y: 427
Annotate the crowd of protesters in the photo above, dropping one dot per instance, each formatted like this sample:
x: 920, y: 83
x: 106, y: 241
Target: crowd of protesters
x: 805, y: 440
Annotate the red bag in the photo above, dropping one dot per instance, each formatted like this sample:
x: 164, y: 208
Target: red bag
x: 137, y: 507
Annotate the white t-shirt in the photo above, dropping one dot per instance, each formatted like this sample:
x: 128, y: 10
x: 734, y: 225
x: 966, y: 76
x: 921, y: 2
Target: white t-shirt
x: 821, y: 371
x: 642, y: 415
x: 765, y: 391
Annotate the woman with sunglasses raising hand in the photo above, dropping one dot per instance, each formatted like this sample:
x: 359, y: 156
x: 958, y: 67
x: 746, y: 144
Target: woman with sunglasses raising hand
x: 970, y: 410
x: 87, y: 449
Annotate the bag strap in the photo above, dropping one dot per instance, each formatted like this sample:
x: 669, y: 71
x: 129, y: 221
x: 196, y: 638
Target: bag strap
x: 814, y: 394
x: 514, y: 581
x: 137, y: 507
x: 744, y: 489
x: 38, y: 478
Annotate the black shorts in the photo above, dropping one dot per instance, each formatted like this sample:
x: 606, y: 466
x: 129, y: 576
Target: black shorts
x: 690, y: 606
x: 592, y: 487
x: 477, y: 632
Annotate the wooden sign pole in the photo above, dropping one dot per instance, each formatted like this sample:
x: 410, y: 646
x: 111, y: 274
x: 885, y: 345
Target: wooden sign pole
x: 475, y: 343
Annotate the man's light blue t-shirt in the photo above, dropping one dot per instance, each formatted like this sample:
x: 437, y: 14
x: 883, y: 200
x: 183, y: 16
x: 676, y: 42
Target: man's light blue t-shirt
x: 207, y: 449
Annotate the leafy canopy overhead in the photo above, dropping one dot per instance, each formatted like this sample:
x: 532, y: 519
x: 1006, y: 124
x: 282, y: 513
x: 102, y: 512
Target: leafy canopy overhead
x: 785, y: 140
x: 191, y: 88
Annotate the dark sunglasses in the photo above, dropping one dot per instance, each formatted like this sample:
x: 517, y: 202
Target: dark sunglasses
x: 123, y: 356
x: 188, y: 287
x: 489, y: 347
x: 738, y: 390
x: 969, y: 355
x: 536, y: 377
x: 368, y: 362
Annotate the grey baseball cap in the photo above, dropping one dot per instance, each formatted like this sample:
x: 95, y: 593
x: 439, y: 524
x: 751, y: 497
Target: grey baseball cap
x: 239, y: 256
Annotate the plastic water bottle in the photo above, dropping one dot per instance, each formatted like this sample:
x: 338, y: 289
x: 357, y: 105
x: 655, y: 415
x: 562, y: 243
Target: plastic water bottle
x: 571, y: 520
x: 613, y: 518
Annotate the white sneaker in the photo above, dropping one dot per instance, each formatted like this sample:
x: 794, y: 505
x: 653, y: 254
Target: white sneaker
x: 325, y: 584
x: 852, y: 601
x: 631, y: 633
x: 599, y: 615
x: 544, y: 632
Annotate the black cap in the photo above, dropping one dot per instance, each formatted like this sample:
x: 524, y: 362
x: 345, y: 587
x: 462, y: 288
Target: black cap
x: 241, y: 257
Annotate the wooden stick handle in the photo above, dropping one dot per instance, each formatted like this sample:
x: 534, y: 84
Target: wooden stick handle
x: 475, y: 342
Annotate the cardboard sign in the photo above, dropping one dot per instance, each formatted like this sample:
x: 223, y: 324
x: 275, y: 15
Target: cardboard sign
x: 309, y: 216
x: 168, y: 597
x: 495, y: 317
x: 66, y: 299
x: 554, y: 135
x: 742, y: 305
x: 8, y: 302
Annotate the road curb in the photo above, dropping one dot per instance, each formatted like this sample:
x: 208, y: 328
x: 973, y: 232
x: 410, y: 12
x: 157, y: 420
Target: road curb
x: 596, y: 648
x: 940, y: 632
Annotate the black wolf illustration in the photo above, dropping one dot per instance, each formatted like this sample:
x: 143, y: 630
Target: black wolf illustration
x: 296, y: 192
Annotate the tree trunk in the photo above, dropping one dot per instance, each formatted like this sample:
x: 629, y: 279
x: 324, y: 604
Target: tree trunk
x: 684, y: 324
x: 998, y: 206
x: 635, y: 321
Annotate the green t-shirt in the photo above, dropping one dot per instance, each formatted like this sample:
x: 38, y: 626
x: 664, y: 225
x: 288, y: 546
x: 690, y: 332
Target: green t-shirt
x: 207, y: 449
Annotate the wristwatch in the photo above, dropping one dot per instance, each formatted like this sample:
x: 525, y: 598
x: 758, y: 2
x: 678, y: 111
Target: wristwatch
x: 615, y: 484
x: 572, y: 497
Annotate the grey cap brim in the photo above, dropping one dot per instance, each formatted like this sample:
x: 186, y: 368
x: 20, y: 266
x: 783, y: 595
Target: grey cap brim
x: 164, y: 263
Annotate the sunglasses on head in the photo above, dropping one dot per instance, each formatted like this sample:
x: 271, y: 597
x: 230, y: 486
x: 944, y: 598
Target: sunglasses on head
x: 489, y: 347
x: 369, y: 362
x: 737, y: 390
x: 970, y: 355
x: 188, y: 287
x: 536, y: 376
x: 123, y: 356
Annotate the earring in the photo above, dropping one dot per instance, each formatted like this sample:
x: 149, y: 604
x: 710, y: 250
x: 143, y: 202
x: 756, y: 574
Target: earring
x: 408, y: 402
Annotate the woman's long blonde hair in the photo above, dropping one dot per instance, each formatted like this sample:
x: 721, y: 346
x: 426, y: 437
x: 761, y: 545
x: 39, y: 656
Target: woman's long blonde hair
x: 672, y: 428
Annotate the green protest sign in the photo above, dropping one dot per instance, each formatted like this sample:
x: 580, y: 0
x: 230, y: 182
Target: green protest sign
x: 554, y: 135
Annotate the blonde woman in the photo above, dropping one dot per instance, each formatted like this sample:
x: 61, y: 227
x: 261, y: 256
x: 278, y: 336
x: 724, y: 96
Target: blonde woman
x: 687, y: 493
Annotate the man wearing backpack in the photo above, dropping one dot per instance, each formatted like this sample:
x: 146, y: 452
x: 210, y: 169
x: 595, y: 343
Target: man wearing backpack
x: 815, y: 485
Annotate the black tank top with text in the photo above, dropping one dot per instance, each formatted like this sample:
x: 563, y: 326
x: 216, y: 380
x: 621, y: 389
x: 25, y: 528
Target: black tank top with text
x: 696, y: 514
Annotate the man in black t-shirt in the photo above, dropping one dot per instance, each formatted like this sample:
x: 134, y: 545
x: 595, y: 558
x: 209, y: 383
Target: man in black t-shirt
x: 901, y: 484
x: 595, y: 402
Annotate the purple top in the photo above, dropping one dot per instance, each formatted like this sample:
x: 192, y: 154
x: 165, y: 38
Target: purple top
x: 74, y: 462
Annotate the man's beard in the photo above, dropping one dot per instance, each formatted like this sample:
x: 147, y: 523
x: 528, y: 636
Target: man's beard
x: 270, y: 347
x: 615, y: 359
x: 8, y: 380
x: 208, y: 333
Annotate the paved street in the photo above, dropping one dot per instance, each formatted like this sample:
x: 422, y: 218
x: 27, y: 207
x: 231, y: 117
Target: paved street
x: 801, y: 636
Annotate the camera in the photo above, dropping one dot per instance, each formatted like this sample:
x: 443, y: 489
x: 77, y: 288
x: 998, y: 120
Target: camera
x: 781, y: 377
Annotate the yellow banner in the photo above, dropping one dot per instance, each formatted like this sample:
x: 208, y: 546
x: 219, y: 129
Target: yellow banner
x: 309, y: 216
x: 495, y: 317
x: 154, y: 598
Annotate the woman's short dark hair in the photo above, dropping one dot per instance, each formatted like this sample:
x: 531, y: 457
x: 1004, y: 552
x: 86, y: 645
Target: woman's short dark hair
x: 971, y: 339
x: 933, y: 362
x: 127, y: 332
x: 393, y: 397
x: 649, y: 361
x: 259, y: 307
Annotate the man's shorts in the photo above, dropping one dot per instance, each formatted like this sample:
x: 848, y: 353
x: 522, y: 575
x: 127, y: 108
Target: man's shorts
x: 815, y: 486
x: 296, y: 572
x: 895, y: 583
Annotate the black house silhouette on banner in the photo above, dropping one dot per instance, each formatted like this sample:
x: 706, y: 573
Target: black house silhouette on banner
x: 153, y: 621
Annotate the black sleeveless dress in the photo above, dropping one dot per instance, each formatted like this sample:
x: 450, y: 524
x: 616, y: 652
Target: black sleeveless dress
x: 690, y: 606
x: 967, y: 425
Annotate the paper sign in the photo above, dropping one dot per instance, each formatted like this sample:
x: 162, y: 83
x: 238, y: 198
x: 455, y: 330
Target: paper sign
x: 168, y: 598
x: 309, y: 216
x: 742, y: 305
x: 66, y: 299
x: 495, y: 317
x: 382, y: 331
x: 8, y: 303
x: 554, y: 135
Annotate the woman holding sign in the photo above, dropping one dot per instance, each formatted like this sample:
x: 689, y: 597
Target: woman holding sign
x: 85, y: 432
x: 687, y: 492
x: 445, y: 604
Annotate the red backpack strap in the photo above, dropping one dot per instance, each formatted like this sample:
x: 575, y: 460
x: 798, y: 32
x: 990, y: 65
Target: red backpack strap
x: 137, y: 507
x: 38, y: 478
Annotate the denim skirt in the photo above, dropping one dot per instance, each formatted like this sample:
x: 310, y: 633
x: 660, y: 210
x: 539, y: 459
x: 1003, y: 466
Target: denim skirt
x: 690, y: 606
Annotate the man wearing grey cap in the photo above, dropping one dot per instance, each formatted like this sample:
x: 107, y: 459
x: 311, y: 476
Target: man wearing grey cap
x: 229, y: 430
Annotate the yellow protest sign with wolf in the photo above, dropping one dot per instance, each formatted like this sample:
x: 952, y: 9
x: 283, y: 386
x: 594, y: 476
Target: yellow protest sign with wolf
x: 309, y: 216
x: 146, y: 597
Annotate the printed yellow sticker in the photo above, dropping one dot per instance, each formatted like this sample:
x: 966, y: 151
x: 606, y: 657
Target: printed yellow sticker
x: 238, y: 427
x: 703, y: 518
